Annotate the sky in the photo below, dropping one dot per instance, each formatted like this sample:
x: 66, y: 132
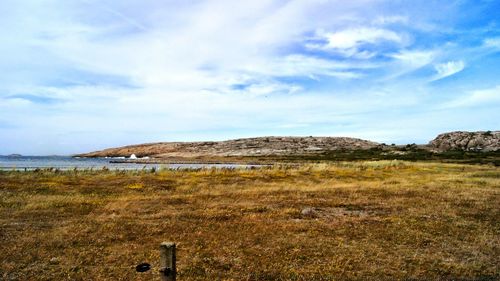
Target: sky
x: 83, y: 75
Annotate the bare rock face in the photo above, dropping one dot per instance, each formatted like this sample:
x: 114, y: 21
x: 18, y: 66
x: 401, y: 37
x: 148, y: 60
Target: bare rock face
x: 467, y: 141
x: 263, y: 146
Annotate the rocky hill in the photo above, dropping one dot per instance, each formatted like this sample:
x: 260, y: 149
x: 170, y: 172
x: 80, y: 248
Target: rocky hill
x: 263, y: 146
x: 467, y: 141
x: 484, y: 141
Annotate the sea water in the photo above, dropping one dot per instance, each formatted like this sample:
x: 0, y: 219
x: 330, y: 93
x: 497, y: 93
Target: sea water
x: 67, y: 163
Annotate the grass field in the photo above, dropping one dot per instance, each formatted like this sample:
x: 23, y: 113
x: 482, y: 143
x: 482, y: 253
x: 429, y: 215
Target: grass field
x: 346, y: 221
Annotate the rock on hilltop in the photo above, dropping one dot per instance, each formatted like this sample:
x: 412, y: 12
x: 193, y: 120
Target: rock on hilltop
x: 263, y: 146
x: 467, y: 141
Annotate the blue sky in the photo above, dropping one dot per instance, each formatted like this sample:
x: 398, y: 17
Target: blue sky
x: 83, y: 75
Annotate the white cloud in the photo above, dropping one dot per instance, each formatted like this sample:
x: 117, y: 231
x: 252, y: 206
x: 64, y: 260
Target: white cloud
x: 407, y: 61
x: 348, y: 41
x: 308, y: 66
x: 267, y: 88
x: 204, y: 65
x: 414, y: 58
x: 385, y: 20
x: 492, y: 43
x: 448, y: 69
x: 352, y: 38
x: 476, y: 98
x: 211, y: 46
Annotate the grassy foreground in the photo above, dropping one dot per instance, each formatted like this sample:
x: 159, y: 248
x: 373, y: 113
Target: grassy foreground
x: 346, y: 221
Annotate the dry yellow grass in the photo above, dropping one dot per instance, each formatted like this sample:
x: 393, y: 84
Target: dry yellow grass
x: 344, y: 221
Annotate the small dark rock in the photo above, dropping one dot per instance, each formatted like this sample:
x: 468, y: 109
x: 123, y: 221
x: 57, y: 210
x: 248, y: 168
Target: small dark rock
x: 143, y: 267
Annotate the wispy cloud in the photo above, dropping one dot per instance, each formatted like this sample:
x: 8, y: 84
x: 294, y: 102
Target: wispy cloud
x: 492, y: 43
x: 350, y: 41
x: 122, y: 16
x: 37, y: 99
x: 307, y: 66
x: 174, y: 69
x: 392, y: 19
x: 414, y: 58
x: 450, y: 68
x: 482, y: 97
x: 406, y: 61
x: 352, y: 38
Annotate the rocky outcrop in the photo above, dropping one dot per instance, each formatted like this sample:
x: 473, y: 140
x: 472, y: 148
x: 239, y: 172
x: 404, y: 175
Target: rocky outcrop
x: 264, y: 146
x: 467, y: 141
x: 295, y: 146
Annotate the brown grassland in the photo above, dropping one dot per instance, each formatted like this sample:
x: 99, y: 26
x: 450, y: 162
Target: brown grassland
x: 341, y: 221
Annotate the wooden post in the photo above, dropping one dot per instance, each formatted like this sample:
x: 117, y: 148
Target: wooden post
x: 167, y: 261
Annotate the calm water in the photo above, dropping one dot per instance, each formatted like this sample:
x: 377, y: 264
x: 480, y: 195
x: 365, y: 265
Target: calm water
x: 65, y: 163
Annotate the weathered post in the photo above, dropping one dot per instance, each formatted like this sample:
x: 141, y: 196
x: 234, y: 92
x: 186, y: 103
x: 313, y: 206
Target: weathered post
x: 167, y: 261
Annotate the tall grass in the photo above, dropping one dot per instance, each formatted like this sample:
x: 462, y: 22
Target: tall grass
x: 350, y: 220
